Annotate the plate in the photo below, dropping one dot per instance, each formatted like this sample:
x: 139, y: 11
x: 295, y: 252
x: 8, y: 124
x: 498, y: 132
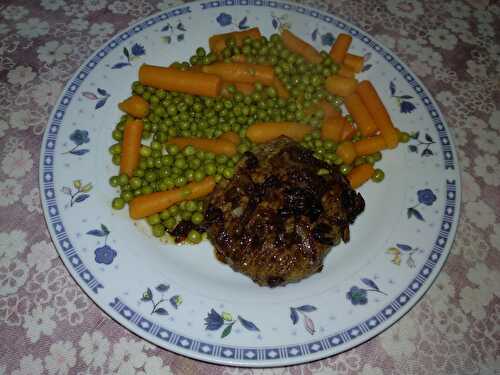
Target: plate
x: 180, y: 297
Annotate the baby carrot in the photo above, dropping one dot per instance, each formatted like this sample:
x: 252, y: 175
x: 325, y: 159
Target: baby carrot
x: 135, y: 106
x: 332, y: 128
x: 241, y: 72
x: 368, y: 146
x: 354, y: 62
x: 218, y: 42
x: 340, y: 85
x: 360, y: 114
x: 378, y: 112
x: 348, y: 131
x: 280, y: 88
x: 340, y: 48
x: 262, y: 132
x: 146, y: 205
x: 131, y: 145
x: 230, y: 136
x: 297, y: 45
x: 360, y: 174
x: 190, y: 82
x: 216, y: 146
x: 346, y: 71
x: 346, y: 152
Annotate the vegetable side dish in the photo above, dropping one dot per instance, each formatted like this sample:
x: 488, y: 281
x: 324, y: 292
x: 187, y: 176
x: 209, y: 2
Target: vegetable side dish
x: 188, y: 128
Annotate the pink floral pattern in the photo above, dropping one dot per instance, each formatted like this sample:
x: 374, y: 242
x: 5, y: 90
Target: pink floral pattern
x: 47, y: 324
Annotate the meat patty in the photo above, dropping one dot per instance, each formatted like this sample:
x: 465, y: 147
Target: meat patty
x: 277, y: 218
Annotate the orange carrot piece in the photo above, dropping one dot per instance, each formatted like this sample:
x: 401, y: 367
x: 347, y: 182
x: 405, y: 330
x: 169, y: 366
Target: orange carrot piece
x: 340, y: 85
x: 332, y: 128
x: 262, y: 132
x: 131, y: 145
x: 146, y: 205
x: 346, y: 152
x: 368, y: 146
x: 241, y: 72
x: 230, y: 136
x: 216, y: 146
x: 135, y: 106
x: 346, y: 71
x: 297, y: 45
x: 360, y: 174
x: 360, y: 114
x: 379, y: 113
x: 218, y: 42
x: 348, y: 131
x: 340, y: 47
x: 354, y: 62
x: 280, y: 88
x: 172, y: 79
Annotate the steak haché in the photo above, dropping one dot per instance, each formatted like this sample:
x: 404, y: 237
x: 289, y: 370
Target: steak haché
x: 280, y: 214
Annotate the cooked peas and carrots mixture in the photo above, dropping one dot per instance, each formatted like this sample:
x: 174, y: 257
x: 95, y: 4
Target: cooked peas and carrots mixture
x: 186, y: 126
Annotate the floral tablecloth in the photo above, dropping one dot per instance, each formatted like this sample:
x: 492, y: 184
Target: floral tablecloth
x: 49, y: 326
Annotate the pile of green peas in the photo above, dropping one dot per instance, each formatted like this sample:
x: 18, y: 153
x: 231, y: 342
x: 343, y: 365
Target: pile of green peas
x: 163, y: 166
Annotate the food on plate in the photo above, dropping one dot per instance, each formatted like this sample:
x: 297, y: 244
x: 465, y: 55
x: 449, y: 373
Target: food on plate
x: 188, y: 128
x: 280, y: 214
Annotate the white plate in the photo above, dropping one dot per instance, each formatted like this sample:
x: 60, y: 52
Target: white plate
x: 180, y: 297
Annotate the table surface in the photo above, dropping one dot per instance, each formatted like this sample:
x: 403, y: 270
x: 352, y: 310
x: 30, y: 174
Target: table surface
x: 48, y: 325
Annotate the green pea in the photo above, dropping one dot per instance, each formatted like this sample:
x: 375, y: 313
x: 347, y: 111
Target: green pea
x: 170, y: 223
x: 200, y: 52
x: 197, y: 218
x: 189, y: 150
x: 370, y: 159
x: 186, y: 215
x: 123, y: 179
x: 189, y: 175
x: 345, y: 169
x: 150, y: 176
x: 377, y: 156
x: 116, y: 159
x: 210, y: 169
x: 180, y: 162
x: 194, y: 236
x: 191, y: 206
x: 172, y: 149
x: 153, y: 219
x: 139, y: 173
x: 114, y: 181
x: 199, y: 175
x: 378, y: 175
x: 118, y: 203
x: 135, y: 183
x: 404, y: 137
x: 146, y: 190
x: 180, y: 181
x: 218, y: 178
x: 115, y: 149
x: 164, y: 215
x: 158, y: 230
x: 117, y: 135
x: 173, y: 210
x: 228, y: 172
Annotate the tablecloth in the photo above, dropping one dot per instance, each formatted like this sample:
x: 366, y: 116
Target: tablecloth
x: 49, y: 326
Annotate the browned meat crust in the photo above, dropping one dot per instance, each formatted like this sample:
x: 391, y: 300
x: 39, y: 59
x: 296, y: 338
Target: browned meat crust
x: 276, y: 220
